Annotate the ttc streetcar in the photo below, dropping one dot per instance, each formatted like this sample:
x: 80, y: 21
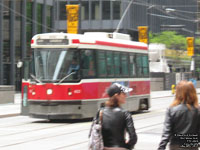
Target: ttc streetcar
x: 71, y: 72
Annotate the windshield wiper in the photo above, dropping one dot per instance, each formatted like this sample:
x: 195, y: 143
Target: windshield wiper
x: 34, y: 77
x: 66, y: 77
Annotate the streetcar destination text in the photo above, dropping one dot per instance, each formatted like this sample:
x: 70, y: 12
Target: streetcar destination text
x: 52, y: 41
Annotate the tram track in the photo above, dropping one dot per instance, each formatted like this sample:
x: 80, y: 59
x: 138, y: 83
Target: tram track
x: 36, y: 131
x: 58, y: 134
x: 43, y: 138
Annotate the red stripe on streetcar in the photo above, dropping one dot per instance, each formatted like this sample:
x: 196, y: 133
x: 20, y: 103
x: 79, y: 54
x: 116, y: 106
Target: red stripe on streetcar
x: 121, y: 45
x: 76, y: 41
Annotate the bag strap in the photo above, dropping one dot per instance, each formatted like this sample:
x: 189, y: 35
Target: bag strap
x: 99, y: 116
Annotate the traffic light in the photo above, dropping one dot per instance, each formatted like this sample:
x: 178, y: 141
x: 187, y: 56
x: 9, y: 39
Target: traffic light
x: 143, y: 34
x: 190, y: 46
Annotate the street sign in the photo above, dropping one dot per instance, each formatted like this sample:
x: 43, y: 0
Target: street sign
x: 143, y: 34
x: 72, y: 18
x: 190, y: 46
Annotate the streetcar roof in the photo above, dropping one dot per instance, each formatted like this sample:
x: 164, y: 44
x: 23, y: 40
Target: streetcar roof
x: 89, y: 38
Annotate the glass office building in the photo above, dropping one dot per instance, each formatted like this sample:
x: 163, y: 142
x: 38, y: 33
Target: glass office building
x: 19, y: 21
x: 104, y: 15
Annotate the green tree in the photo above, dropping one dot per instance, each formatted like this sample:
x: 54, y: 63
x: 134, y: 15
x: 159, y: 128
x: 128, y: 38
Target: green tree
x: 171, y: 39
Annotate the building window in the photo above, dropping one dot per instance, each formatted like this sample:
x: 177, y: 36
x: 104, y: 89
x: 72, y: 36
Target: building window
x: 6, y: 42
x: 85, y: 10
x: 6, y: 32
x: 73, y: 2
x: 198, y: 17
x: 63, y: 13
x: 116, y: 10
x: 49, y: 18
x: 95, y: 10
x: 18, y: 30
x: 39, y: 18
x: 106, y: 10
x: 29, y: 26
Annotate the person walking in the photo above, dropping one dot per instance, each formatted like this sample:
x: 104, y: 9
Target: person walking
x: 182, y: 120
x: 116, y: 121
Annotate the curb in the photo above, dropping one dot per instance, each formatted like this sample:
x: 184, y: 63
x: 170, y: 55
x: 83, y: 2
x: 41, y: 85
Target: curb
x: 9, y: 115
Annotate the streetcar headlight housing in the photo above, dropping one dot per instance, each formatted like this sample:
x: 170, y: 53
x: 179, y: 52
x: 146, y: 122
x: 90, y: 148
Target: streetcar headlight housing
x: 69, y: 91
x: 49, y: 91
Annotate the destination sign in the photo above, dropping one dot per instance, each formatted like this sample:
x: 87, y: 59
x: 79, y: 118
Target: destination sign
x: 52, y: 41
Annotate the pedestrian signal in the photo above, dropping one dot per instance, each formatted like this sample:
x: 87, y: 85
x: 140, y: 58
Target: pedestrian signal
x: 72, y: 18
x: 190, y: 46
x: 143, y: 34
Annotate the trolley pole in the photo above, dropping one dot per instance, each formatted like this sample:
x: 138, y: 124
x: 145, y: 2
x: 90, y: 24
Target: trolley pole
x: 124, y: 14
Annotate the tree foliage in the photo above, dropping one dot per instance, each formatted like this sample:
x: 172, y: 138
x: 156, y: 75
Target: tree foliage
x: 170, y: 38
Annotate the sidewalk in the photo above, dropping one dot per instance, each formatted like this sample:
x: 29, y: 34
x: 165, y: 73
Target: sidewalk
x: 157, y: 94
x: 13, y: 109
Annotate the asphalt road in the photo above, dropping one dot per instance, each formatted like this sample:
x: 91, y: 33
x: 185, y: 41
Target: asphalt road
x: 24, y: 133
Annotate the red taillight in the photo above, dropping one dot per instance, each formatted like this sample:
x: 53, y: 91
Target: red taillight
x: 32, y: 41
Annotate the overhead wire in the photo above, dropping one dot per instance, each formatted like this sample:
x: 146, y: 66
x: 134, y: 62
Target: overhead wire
x: 175, y: 13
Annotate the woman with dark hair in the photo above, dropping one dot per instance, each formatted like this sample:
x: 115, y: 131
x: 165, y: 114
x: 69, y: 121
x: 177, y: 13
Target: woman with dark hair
x: 116, y: 121
x: 182, y: 120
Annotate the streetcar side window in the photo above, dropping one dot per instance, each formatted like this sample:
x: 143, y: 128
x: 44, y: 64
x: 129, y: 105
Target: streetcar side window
x: 109, y: 59
x: 124, y: 63
x: 101, y: 64
x: 142, y: 65
x: 139, y: 65
x: 132, y: 66
x: 117, y: 65
x: 88, y: 64
x: 145, y: 63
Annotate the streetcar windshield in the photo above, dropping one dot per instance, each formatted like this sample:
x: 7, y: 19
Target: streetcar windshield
x: 56, y: 64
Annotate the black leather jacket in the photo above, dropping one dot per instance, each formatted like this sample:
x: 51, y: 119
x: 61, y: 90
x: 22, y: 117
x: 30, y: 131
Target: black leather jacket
x: 179, y: 121
x: 115, y: 122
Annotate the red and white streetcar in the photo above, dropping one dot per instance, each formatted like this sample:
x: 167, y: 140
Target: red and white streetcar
x: 71, y: 72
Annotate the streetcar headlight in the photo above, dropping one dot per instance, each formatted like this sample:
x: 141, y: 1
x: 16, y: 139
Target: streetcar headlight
x: 33, y: 93
x: 49, y: 91
x: 69, y: 91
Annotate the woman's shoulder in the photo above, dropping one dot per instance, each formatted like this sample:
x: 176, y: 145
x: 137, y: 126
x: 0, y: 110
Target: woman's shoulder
x: 126, y: 113
x: 179, y: 107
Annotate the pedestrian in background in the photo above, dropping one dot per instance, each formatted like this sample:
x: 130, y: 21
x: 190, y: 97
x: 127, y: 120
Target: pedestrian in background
x: 116, y: 122
x: 182, y: 120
